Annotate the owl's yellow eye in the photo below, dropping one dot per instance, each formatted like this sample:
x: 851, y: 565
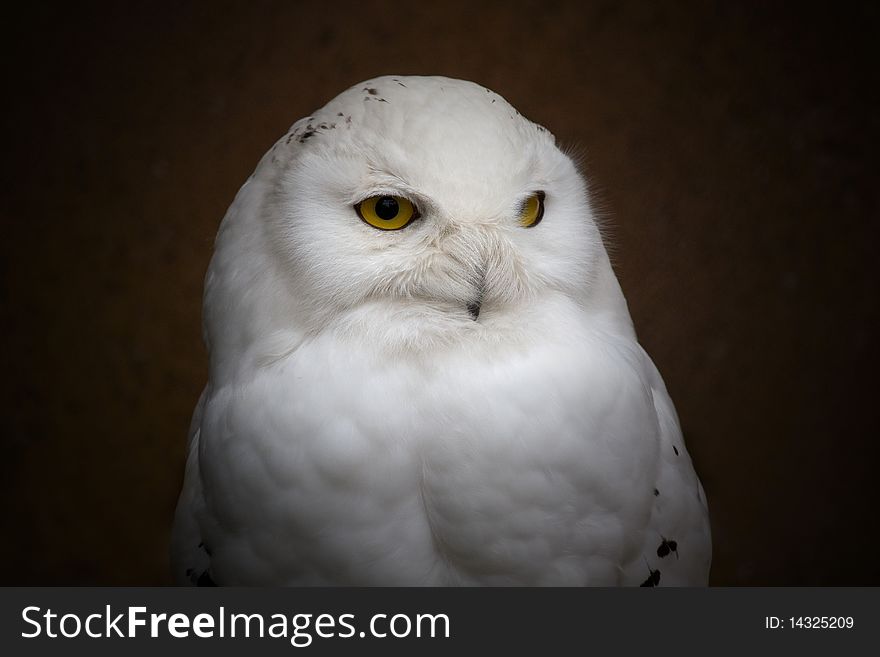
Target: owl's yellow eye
x: 532, y: 210
x: 386, y: 212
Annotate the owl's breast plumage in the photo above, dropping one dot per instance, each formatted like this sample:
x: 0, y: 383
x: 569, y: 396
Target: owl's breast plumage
x: 533, y: 465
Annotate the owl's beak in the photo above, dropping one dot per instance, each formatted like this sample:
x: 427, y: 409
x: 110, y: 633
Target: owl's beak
x: 474, y: 309
x: 475, y: 305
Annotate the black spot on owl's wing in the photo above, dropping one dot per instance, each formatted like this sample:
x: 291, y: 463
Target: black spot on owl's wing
x: 656, y: 492
x: 653, y: 578
x: 666, y: 546
x: 675, y: 449
x: 205, y: 580
x: 200, y: 580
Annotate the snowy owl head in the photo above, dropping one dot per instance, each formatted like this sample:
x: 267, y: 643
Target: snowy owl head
x: 412, y: 212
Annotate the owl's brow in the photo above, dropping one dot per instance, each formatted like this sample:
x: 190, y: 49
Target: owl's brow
x: 385, y: 175
x: 383, y: 181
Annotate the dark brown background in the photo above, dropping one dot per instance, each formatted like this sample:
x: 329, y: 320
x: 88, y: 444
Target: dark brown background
x: 732, y: 148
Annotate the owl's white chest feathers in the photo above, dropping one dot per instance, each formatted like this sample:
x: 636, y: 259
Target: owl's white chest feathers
x: 532, y: 464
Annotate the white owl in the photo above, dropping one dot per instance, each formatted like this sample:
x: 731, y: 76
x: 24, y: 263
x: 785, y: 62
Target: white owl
x: 423, y: 370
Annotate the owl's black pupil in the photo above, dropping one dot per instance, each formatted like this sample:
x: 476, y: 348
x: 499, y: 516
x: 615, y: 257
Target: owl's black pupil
x: 387, y: 208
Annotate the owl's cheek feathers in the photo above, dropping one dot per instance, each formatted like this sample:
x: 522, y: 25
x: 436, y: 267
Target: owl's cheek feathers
x: 470, y: 267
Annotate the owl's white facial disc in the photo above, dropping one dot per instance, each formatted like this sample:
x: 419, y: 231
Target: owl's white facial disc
x: 467, y: 161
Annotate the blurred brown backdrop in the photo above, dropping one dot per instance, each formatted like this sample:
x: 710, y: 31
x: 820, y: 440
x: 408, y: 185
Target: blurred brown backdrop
x: 732, y: 148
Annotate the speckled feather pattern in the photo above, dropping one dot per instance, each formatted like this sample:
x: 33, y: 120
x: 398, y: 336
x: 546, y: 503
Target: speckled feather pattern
x: 361, y: 427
